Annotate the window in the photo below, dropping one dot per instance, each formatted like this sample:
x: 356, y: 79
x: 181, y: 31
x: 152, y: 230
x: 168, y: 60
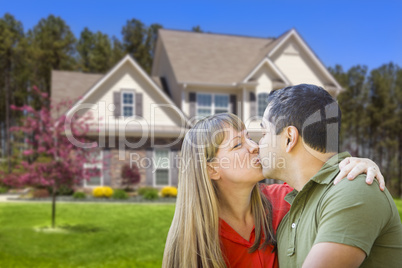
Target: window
x: 262, y: 103
x: 208, y: 104
x: 127, y: 101
x: 162, y: 165
x: 95, y: 163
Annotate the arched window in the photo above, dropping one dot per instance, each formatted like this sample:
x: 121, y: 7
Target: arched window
x: 262, y: 103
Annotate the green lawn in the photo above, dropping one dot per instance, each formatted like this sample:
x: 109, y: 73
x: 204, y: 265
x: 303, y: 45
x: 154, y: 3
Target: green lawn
x: 101, y: 235
x: 398, y: 203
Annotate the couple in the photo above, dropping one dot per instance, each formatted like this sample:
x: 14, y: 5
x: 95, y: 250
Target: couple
x: 224, y: 218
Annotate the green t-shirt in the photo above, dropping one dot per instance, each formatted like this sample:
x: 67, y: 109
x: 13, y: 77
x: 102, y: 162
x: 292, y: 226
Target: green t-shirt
x: 351, y: 213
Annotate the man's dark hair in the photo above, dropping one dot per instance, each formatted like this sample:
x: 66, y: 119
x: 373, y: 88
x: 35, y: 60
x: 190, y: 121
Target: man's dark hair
x: 312, y: 110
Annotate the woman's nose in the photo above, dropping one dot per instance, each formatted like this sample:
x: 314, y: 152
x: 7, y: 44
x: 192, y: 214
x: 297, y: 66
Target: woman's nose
x: 253, y: 146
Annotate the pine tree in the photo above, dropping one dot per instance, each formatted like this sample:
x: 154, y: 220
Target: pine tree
x: 13, y: 80
x: 53, y: 47
x: 381, y: 113
x: 139, y: 41
x: 95, y: 50
x: 117, y: 50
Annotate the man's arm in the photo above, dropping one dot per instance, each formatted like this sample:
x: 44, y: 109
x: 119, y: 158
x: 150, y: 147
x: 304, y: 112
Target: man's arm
x: 334, y: 255
x: 350, y: 219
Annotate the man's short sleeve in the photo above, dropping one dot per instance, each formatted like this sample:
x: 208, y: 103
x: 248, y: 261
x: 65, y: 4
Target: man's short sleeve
x: 353, y: 213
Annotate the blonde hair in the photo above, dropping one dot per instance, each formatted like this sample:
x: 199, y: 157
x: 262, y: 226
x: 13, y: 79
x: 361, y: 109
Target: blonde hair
x: 193, y: 238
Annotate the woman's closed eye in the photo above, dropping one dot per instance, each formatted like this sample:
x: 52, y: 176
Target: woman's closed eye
x: 237, y: 145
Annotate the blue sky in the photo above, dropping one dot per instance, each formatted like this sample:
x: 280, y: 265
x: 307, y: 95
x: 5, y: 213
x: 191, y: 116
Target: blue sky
x: 339, y: 32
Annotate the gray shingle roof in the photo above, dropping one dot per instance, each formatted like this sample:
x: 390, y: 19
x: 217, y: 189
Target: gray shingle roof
x: 215, y: 58
x: 68, y: 85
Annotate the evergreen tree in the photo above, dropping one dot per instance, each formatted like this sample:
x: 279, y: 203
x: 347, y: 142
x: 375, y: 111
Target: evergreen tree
x: 95, y: 50
x: 53, y: 46
x: 13, y: 81
x: 197, y: 29
x: 117, y: 50
x: 371, y: 117
x: 381, y: 108
x: 398, y: 130
x: 139, y: 41
x: 133, y: 40
x: 150, y: 43
x: 85, y: 45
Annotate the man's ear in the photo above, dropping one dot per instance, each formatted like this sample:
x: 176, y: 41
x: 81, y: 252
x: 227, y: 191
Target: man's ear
x: 213, y: 171
x: 292, y: 137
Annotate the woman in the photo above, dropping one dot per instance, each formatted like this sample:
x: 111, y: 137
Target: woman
x: 223, y: 216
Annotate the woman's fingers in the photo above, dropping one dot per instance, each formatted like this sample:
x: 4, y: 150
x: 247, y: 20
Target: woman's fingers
x: 358, y: 169
x: 351, y: 167
x: 344, y: 172
x: 344, y: 162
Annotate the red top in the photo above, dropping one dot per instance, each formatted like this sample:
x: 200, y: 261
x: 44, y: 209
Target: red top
x: 235, y: 248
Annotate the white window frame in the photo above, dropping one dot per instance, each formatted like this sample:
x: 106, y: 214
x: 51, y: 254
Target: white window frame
x: 212, y: 107
x: 127, y: 105
x: 155, y: 169
x: 98, y: 165
x: 258, y: 102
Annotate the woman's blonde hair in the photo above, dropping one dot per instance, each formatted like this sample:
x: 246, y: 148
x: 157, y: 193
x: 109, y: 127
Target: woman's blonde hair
x: 193, y: 239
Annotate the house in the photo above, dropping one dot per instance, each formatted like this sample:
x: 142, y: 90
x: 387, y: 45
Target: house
x: 143, y: 118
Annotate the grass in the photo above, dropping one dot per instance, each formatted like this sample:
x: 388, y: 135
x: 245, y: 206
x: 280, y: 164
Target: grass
x: 93, y: 235
x: 398, y: 203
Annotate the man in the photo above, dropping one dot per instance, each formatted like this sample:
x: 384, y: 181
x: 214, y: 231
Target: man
x: 346, y: 225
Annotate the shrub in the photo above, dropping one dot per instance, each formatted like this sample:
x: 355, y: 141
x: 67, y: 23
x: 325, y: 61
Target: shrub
x: 79, y: 195
x: 41, y: 193
x: 130, y: 175
x: 63, y: 190
x: 102, y: 191
x: 107, y: 191
x: 151, y: 194
x: 3, y: 190
x: 169, y: 191
x: 120, y: 194
x: 143, y: 190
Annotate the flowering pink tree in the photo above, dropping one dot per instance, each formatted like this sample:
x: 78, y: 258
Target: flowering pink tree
x: 50, y: 139
x: 130, y: 176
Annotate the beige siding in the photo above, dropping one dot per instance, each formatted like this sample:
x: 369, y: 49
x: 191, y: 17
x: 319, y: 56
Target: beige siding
x: 127, y: 77
x: 297, y: 66
x: 264, y: 79
x: 245, y: 93
x: 264, y: 76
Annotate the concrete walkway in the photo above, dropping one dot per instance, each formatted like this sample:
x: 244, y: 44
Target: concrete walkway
x: 5, y: 197
x: 11, y: 198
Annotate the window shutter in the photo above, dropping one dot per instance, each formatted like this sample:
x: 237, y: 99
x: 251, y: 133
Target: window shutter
x: 174, y: 167
x: 233, y: 104
x: 117, y: 104
x: 149, y: 174
x: 107, y: 178
x: 138, y: 104
x: 193, y: 100
x: 253, y: 105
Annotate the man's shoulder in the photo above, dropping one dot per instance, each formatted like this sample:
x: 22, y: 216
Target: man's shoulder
x: 355, y: 188
x: 358, y: 194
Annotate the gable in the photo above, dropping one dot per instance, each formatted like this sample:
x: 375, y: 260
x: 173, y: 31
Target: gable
x: 157, y: 109
x: 266, y: 73
x: 299, y: 64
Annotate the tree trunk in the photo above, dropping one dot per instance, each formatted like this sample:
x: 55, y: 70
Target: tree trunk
x: 53, y: 206
x: 400, y: 169
x: 7, y: 130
